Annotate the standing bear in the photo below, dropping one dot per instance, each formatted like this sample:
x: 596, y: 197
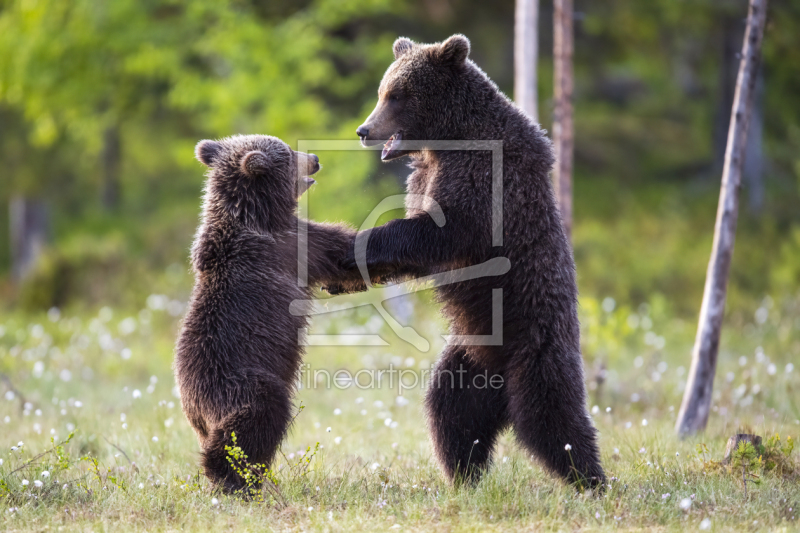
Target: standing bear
x: 238, y: 354
x: 435, y: 93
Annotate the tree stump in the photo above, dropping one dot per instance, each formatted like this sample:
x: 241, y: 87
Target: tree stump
x: 733, y: 444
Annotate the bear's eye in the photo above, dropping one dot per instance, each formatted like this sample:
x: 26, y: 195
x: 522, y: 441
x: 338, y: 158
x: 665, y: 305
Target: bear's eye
x: 394, y: 97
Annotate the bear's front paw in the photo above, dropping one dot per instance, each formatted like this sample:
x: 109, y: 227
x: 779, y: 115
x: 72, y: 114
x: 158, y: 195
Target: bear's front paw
x: 333, y: 289
x: 348, y: 262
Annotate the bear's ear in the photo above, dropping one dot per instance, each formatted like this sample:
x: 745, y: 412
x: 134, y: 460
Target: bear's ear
x: 454, y: 50
x: 255, y: 163
x: 401, y: 46
x: 205, y: 151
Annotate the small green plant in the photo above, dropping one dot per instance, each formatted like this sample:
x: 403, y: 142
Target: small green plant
x: 15, y: 483
x: 778, y: 456
x: 709, y: 465
x: 747, y: 458
x: 255, y: 475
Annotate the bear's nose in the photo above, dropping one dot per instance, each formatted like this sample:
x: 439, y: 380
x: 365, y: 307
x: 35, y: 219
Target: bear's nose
x: 314, y: 158
x: 362, y: 131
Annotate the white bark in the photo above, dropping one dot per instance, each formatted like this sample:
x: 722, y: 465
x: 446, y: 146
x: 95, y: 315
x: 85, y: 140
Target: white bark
x: 526, y: 52
x: 563, y: 134
x: 693, y: 415
x: 28, y: 226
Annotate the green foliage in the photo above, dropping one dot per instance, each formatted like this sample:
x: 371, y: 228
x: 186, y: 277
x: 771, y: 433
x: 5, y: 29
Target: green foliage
x: 44, y: 468
x: 777, y: 456
x: 165, y: 73
x: 365, y: 474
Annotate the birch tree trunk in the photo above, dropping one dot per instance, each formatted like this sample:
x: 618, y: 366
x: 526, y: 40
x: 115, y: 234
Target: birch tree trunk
x: 526, y: 52
x: 28, y: 226
x: 693, y: 415
x: 562, y: 113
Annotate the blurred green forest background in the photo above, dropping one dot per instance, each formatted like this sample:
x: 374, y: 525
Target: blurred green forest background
x: 101, y: 103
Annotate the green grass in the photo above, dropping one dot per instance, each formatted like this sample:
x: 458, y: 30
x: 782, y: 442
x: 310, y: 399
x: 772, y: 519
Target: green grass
x: 374, y: 470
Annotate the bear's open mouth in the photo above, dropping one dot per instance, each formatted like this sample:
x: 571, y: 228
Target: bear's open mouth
x: 305, y: 184
x: 392, y: 147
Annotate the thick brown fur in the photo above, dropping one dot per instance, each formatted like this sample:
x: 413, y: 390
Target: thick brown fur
x: 239, y: 350
x: 434, y: 92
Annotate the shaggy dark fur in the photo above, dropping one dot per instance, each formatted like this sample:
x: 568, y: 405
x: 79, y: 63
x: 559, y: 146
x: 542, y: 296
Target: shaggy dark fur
x: 239, y: 350
x: 433, y: 92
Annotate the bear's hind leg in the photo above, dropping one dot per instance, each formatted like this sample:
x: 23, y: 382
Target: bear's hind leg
x: 464, y: 419
x: 547, y: 408
x: 260, y: 427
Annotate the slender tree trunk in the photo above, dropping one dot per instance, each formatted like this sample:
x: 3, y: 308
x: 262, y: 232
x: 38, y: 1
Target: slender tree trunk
x: 693, y: 415
x: 526, y: 52
x: 28, y: 225
x: 732, y: 35
x: 753, y: 172
x: 562, y: 114
x: 111, y: 165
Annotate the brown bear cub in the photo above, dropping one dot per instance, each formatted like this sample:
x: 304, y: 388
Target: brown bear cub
x: 434, y: 92
x: 238, y: 354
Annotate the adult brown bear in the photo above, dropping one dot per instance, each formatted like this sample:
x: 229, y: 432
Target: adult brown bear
x: 434, y: 92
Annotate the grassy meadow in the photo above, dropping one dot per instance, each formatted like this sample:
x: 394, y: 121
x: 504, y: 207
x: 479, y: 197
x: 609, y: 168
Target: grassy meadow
x: 358, y: 459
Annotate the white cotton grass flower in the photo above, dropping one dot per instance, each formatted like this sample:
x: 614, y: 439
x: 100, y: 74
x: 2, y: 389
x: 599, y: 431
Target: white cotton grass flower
x: 608, y: 409
x: 337, y: 412
x: 568, y: 447
x: 310, y: 509
x: 141, y: 485
x: 337, y: 440
x: 214, y: 501
x: 38, y: 483
x: 705, y: 524
x: 476, y: 441
x: 137, y: 393
x: 328, y: 430
x: 45, y: 474
x: 595, y: 409
x: 686, y: 504
x: 155, y: 439
x: 644, y: 421
x: 25, y: 482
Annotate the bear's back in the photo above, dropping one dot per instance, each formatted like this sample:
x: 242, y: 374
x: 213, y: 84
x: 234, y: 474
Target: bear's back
x: 238, y: 327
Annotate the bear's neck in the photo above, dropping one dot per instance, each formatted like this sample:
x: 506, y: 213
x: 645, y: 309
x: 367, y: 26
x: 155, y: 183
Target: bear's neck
x: 483, y: 113
x: 247, y: 210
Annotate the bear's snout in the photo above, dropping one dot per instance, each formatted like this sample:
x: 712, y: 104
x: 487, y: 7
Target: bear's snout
x: 313, y: 164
